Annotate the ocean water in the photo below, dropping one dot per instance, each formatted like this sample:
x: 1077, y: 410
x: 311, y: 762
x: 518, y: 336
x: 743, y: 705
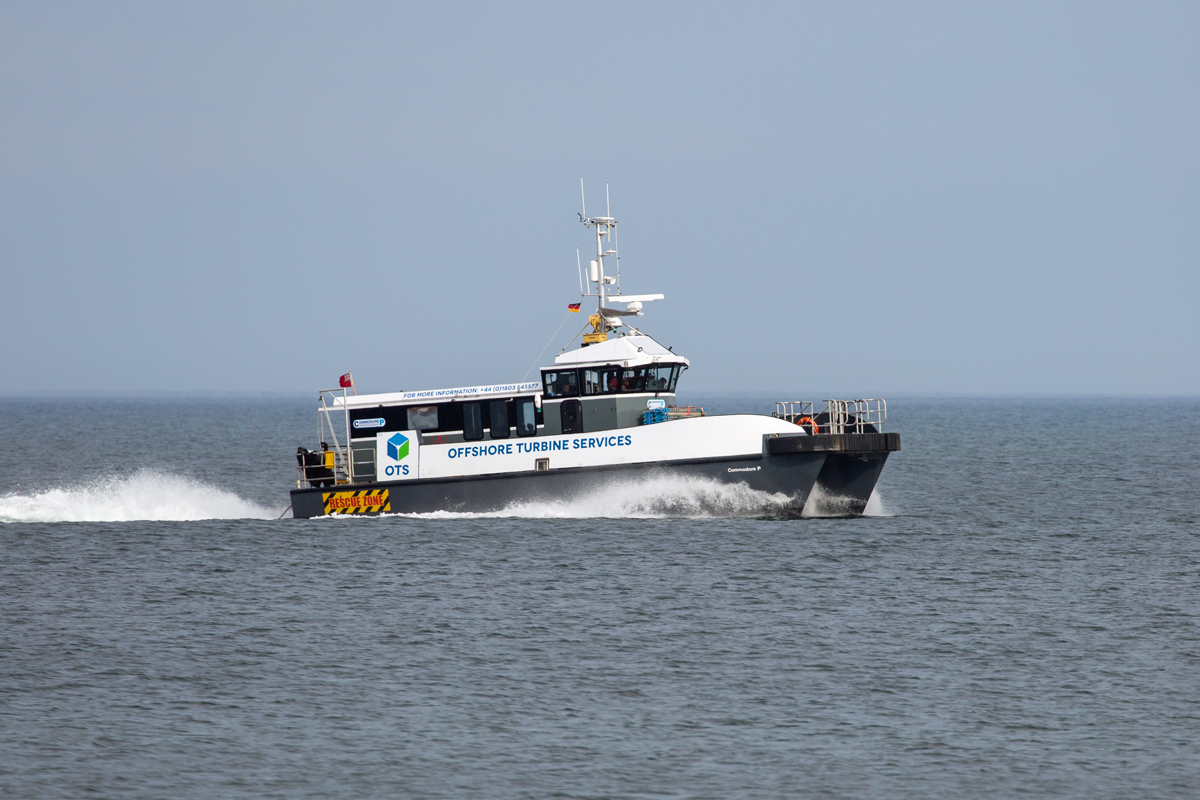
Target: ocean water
x: 1017, y: 616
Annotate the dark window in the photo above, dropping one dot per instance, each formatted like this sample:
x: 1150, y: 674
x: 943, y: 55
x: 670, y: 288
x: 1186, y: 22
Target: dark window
x: 569, y: 414
x: 675, y: 376
x: 605, y: 380
x: 423, y: 418
x: 498, y: 416
x: 633, y: 380
x: 658, y: 379
x: 561, y: 383
x: 526, y: 418
x: 472, y: 421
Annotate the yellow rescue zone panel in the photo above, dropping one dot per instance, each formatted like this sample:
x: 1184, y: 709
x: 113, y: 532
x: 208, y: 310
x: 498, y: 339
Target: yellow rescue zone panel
x: 367, y: 501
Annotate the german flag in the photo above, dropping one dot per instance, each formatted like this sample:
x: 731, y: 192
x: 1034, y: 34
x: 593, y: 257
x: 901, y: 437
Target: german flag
x: 573, y: 308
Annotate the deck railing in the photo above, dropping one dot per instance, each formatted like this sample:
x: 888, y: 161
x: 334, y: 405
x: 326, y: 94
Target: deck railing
x: 839, y: 416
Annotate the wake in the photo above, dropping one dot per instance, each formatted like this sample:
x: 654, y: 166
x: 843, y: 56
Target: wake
x: 661, y: 497
x: 822, y: 504
x: 145, y: 495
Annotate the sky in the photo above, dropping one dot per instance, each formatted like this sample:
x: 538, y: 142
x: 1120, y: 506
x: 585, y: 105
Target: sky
x: 963, y: 198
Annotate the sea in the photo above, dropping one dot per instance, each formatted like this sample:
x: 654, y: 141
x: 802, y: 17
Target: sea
x: 1017, y: 615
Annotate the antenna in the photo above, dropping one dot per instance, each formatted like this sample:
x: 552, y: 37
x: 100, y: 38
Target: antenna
x: 607, y: 205
x: 582, y: 201
x: 579, y: 266
x: 617, y: 253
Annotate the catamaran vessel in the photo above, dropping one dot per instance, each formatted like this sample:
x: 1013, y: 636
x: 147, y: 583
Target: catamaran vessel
x: 600, y: 415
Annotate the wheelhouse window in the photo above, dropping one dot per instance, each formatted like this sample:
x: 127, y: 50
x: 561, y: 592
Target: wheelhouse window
x: 526, y: 417
x: 605, y: 380
x: 498, y: 419
x: 633, y: 380
x: 422, y: 418
x: 561, y: 383
x: 472, y: 422
x: 660, y: 379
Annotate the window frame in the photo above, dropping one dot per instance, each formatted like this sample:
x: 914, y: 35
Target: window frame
x: 520, y: 404
x: 546, y: 383
x: 476, y: 408
x: 640, y: 386
x: 670, y: 369
x: 507, y: 424
x: 408, y: 417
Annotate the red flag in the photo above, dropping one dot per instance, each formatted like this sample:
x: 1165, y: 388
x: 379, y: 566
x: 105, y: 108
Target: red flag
x: 573, y: 307
x: 346, y: 381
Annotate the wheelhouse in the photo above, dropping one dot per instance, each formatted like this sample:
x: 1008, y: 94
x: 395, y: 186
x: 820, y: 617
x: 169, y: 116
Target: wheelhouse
x: 607, y: 385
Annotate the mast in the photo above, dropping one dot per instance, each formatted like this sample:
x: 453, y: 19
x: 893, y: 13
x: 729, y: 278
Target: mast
x: 606, y: 319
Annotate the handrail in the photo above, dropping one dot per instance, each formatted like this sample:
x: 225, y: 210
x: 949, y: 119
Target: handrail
x: 838, y: 416
x: 343, y: 468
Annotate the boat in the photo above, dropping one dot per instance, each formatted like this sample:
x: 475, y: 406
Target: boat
x: 601, y: 415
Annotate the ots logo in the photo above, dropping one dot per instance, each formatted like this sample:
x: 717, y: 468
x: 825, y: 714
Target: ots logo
x: 397, y: 447
x: 397, y: 450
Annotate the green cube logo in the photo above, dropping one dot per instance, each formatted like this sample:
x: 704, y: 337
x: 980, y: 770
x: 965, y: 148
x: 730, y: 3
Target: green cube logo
x: 397, y: 447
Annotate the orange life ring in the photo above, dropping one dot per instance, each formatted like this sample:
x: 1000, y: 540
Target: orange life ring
x: 810, y: 421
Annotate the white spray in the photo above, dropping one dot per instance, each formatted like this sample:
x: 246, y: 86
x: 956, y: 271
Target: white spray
x: 145, y: 495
